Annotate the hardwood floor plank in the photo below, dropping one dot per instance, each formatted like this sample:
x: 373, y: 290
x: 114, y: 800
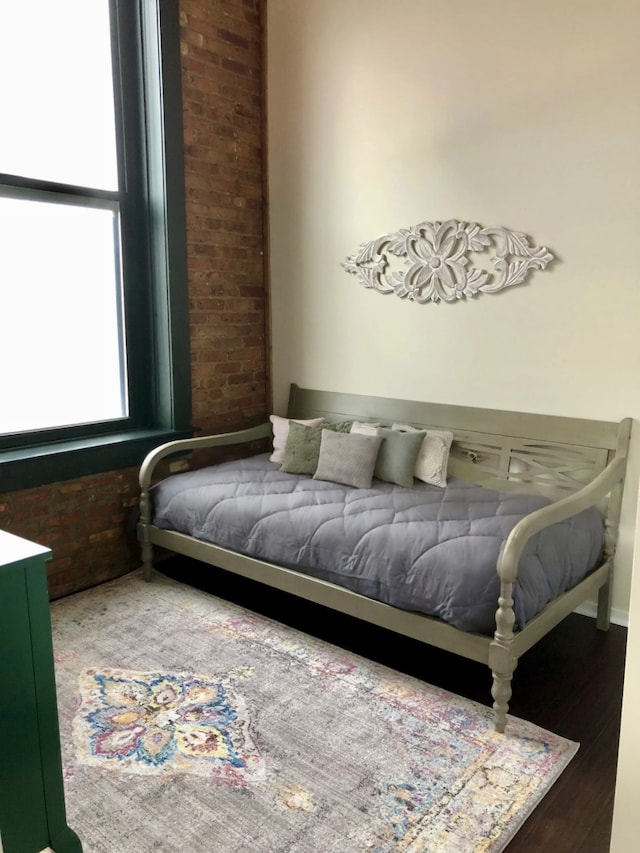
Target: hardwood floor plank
x: 578, y: 809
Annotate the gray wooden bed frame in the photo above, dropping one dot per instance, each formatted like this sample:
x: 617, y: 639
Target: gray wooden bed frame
x: 576, y: 462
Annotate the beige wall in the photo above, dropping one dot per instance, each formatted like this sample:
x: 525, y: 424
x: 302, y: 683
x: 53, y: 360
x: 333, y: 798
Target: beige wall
x: 522, y: 114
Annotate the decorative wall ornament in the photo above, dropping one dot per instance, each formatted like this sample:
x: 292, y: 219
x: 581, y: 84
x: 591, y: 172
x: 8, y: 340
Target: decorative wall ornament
x: 437, y: 255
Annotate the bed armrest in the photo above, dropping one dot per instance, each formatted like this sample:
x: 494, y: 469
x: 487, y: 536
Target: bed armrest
x: 536, y: 521
x: 202, y: 442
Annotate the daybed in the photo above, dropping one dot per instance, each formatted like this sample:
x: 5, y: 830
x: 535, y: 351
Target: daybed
x: 515, y: 532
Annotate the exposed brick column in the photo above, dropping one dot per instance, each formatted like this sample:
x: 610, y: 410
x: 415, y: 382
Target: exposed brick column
x: 221, y: 46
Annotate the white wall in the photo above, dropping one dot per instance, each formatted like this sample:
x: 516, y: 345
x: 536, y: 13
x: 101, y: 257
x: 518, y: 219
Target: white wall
x: 526, y: 115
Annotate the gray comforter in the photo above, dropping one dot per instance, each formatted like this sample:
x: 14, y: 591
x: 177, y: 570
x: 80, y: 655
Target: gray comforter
x: 426, y: 549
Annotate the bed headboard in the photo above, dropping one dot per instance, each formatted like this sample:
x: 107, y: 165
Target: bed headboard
x: 545, y: 454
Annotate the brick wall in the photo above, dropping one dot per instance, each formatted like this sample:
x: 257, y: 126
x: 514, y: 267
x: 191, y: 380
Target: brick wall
x: 87, y: 521
x: 222, y: 98
x: 84, y: 522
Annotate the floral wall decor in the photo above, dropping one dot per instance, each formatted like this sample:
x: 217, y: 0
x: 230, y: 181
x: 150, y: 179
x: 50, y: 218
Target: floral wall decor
x: 440, y: 261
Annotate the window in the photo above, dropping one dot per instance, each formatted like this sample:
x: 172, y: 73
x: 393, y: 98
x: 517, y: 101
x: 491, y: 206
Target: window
x: 94, y: 351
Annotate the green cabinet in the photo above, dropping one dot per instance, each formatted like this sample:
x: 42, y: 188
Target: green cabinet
x: 32, y: 808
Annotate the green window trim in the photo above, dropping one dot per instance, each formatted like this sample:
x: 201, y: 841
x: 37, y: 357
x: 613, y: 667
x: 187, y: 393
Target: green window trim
x: 70, y: 460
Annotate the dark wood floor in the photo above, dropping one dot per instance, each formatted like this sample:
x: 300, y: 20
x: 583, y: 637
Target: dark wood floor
x: 570, y: 683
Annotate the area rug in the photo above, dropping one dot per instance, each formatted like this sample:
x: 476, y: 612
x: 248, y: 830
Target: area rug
x: 191, y: 724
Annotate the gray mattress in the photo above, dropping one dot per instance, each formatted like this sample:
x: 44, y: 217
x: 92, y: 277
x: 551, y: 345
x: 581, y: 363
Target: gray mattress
x: 426, y: 549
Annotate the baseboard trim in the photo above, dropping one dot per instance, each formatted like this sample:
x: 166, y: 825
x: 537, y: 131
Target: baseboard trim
x: 590, y: 608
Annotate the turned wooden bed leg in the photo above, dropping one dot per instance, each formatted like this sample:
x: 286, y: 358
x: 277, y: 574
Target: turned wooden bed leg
x: 603, y: 616
x: 501, y: 692
x: 611, y: 524
x: 146, y: 547
x: 501, y: 658
x: 147, y: 559
x: 603, y: 619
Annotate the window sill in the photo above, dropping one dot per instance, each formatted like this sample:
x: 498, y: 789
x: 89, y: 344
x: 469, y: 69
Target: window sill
x: 27, y: 468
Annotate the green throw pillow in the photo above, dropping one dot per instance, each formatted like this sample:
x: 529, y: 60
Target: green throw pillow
x: 302, y: 449
x: 396, y: 460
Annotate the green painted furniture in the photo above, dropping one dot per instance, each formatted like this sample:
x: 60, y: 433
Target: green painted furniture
x: 32, y: 808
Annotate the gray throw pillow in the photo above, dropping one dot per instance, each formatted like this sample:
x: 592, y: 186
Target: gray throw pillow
x: 348, y: 458
x: 397, y: 457
x: 302, y: 449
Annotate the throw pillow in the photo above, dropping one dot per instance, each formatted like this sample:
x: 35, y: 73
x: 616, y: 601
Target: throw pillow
x: 433, y: 458
x: 365, y: 427
x: 281, y: 431
x: 302, y: 449
x: 347, y: 458
x: 397, y: 457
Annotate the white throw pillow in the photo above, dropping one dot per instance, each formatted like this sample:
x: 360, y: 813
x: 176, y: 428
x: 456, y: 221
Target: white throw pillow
x: 365, y: 427
x: 433, y: 457
x: 281, y: 433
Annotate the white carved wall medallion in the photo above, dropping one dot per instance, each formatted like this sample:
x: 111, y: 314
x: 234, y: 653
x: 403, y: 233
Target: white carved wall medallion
x: 437, y: 261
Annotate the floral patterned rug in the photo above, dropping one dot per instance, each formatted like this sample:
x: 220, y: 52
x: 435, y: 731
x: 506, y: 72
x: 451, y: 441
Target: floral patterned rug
x: 145, y: 722
x: 190, y: 724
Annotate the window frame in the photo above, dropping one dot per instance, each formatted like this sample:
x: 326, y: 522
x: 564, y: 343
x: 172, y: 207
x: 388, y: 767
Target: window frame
x: 151, y: 197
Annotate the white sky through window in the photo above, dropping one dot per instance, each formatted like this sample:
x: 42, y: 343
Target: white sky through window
x: 56, y: 96
x: 60, y: 352
x: 62, y: 358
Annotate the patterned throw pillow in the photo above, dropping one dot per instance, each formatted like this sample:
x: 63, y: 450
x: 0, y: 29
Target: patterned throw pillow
x: 302, y: 449
x: 281, y: 432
